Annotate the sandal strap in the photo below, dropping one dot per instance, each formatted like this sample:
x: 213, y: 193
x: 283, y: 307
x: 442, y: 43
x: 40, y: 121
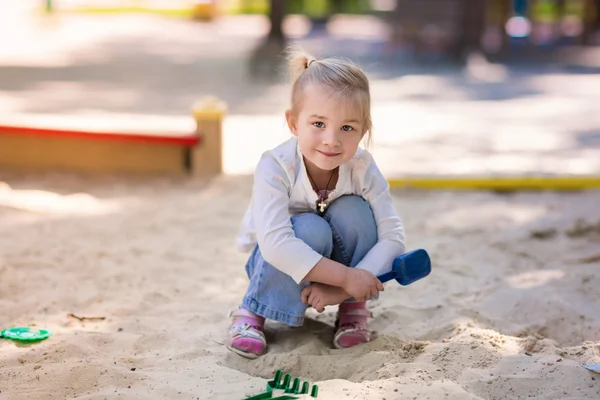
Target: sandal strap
x: 244, y: 316
x: 360, y: 312
x: 353, y: 319
x: 247, y: 325
x: 350, y: 329
x: 351, y: 325
x: 245, y: 330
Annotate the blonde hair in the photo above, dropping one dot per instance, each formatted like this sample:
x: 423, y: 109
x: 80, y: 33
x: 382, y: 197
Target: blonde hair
x: 346, y: 80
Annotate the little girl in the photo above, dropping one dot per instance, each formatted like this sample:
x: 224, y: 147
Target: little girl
x: 321, y: 222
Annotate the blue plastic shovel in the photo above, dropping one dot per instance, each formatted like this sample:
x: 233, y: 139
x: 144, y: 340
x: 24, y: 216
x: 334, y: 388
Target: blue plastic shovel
x: 408, y: 268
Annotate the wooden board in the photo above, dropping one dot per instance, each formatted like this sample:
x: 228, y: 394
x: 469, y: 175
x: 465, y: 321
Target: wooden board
x: 93, y: 153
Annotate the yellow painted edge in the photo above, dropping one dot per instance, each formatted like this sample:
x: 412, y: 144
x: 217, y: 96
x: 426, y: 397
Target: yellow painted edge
x: 499, y: 183
x: 208, y: 115
x: 209, y: 107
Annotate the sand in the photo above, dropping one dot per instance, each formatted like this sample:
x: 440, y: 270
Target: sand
x: 510, y: 311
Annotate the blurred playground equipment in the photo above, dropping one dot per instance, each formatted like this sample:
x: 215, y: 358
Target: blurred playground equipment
x: 452, y: 26
x: 198, y: 153
x: 501, y: 28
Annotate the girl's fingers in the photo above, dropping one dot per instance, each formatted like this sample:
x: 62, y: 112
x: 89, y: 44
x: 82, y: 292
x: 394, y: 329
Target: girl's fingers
x: 321, y: 307
x: 312, y: 299
x: 305, y: 293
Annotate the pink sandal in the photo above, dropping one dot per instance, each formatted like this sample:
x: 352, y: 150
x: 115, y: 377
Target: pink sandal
x: 246, y: 336
x: 352, y: 325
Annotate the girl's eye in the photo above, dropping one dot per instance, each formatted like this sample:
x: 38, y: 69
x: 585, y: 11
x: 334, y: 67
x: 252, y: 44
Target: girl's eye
x: 319, y: 124
x: 347, y: 128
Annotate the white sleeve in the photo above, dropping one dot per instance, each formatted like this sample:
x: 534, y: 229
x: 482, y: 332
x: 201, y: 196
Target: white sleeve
x: 277, y: 242
x: 390, y: 232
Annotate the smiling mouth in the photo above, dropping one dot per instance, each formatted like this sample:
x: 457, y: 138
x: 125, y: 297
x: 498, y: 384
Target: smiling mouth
x: 326, y: 154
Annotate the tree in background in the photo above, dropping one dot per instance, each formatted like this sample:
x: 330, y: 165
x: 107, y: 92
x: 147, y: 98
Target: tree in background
x: 470, y: 28
x: 591, y: 27
x: 263, y: 60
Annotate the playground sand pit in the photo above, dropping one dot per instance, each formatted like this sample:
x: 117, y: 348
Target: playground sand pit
x: 135, y: 277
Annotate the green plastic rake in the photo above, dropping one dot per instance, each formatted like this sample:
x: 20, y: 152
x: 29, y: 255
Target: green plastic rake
x: 276, y: 386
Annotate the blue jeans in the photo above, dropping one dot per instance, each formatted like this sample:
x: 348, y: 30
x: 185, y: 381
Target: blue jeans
x: 345, y: 233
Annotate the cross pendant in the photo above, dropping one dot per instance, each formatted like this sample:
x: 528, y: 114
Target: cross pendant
x: 321, y: 205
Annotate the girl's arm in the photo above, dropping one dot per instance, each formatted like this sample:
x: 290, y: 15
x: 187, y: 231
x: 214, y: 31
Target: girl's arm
x: 276, y: 239
x: 390, y: 231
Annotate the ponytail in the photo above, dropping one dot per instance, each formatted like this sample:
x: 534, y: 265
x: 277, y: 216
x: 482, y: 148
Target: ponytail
x: 298, y: 61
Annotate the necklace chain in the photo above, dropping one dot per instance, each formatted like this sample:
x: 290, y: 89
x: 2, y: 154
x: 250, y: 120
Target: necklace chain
x: 321, y: 198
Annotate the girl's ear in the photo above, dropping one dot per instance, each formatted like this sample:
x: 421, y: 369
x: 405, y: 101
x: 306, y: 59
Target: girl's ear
x: 291, y: 121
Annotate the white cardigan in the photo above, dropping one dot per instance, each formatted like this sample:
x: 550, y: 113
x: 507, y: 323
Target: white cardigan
x: 282, y: 189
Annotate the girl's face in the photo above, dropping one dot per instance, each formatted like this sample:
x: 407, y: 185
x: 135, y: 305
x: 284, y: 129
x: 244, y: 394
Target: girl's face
x: 328, y: 131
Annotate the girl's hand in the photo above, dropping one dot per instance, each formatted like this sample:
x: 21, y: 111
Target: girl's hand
x: 361, y: 284
x: 319, y: 295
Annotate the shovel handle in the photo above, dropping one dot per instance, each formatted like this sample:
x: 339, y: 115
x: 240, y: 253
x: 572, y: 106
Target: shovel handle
x: 388, y: 276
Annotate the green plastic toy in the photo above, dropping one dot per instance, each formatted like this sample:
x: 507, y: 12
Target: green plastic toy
x: 25, y: 334
x: 289, y: 392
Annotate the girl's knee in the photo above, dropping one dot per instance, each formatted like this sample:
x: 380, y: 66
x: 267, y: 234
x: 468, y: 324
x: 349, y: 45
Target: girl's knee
x: 349, y: 202
x: 314, y: 231
x: 353, y: 224
x: 353, y: 209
